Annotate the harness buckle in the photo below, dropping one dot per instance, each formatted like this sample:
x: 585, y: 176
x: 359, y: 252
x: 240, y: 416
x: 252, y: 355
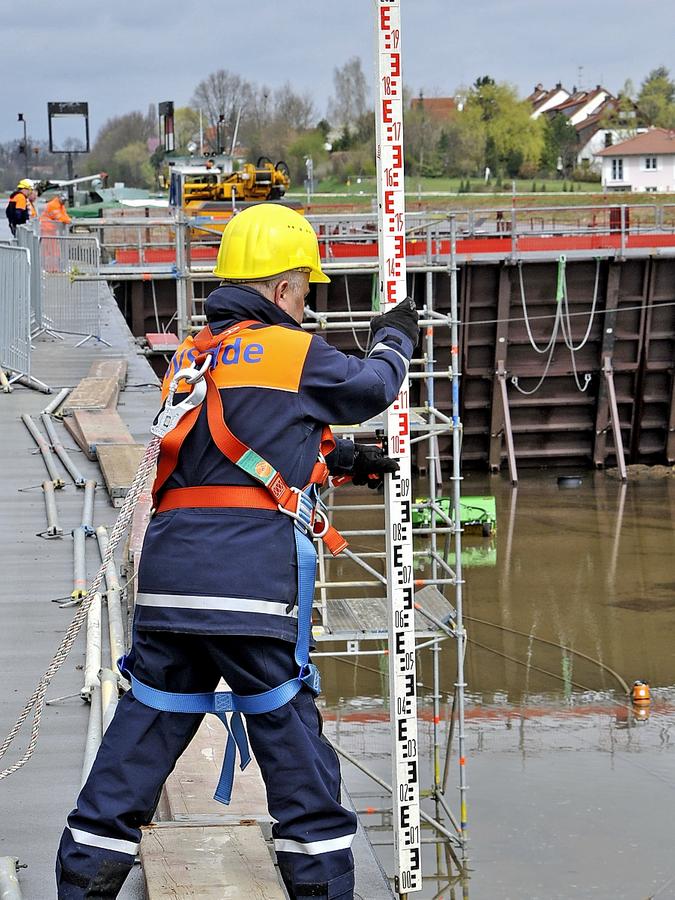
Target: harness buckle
x: 171, y: 413
x: 303, y: 514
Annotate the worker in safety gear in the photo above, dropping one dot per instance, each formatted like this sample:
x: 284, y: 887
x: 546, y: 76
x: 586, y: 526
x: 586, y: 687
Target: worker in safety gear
x: 18, y: 206
x: 32, y: 208
x: 222, y: 585
x: 55, y: 216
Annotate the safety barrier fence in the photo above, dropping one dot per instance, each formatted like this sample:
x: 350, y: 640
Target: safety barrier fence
x: 15, y: 311
x: 70, y: 305
x: 28, y: 236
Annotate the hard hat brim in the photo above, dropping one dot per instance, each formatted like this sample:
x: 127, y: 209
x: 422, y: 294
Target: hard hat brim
x: 316, y: 277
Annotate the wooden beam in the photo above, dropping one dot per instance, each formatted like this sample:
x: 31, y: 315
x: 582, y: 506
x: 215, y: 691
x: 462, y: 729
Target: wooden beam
x: 498, y: 413
x: 614, y: 417
x: 670, y: 437
x: 642, y: 360
x: 602, y: 417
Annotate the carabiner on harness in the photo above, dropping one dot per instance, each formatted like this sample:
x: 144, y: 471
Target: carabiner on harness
x: 171, y: 413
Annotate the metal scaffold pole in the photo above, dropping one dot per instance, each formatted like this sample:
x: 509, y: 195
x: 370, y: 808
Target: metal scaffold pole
x: 456, y: 493
x: 398, y: 488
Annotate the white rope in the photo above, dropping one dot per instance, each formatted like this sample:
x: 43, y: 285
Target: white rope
x: 37, y: 699
x: 568, y: 330
x: 554, y: 333
x: 563, y: 322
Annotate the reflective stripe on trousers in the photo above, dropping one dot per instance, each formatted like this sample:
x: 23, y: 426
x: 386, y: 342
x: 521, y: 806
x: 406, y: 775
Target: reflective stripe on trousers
x: 313, y: 831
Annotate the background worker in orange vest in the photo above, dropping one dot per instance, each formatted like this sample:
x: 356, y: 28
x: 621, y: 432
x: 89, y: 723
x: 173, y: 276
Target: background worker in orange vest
x: 55, y: 214
x: 32, y: 208
x: 18, y: 208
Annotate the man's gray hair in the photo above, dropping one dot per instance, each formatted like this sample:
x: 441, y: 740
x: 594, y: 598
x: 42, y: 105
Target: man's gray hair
x: 266, y: 286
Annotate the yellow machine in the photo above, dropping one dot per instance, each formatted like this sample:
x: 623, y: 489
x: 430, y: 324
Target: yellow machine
x: 211, y: 192
x: 264, y: 181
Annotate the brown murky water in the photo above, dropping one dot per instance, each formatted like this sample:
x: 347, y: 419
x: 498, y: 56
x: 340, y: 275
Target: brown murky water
x: 571, y: 795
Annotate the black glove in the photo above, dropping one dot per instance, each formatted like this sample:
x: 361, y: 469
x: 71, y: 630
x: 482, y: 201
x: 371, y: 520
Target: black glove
x: 370, y: 465
x: 403, y: 317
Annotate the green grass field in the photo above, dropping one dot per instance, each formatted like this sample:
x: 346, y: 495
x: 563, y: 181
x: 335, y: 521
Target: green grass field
x: 443, y: 194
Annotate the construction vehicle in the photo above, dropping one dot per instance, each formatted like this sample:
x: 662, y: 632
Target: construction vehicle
x: 211, y: 191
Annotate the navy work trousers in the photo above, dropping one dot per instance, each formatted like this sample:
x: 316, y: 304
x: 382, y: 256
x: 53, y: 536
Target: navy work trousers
x: 312, y: 832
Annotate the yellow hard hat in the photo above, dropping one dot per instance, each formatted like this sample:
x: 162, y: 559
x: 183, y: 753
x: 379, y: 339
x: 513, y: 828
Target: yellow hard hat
x: 267, y: 239
x: 25, y: 184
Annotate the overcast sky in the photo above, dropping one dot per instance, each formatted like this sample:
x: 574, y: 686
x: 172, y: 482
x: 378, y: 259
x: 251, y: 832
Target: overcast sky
x: 142, y: 51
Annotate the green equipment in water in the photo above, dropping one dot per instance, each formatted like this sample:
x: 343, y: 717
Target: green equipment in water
x: 478, y: 515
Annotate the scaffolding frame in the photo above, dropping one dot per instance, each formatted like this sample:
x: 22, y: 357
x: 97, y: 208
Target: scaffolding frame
x: 432, y: 629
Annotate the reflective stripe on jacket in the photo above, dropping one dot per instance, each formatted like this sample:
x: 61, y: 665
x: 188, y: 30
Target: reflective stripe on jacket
x: 233, y: 571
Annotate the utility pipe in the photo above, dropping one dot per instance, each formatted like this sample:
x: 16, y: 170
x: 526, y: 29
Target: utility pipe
x: 88, y: 506
x: 54, y: 404
x: 94, y: 733
x: 61, y: 451
x: 43, y: 447
x: 53, y: 526
x: 79, y: 591
x: 109, y: 697
x: 92, y: 663
x: 115, y: 621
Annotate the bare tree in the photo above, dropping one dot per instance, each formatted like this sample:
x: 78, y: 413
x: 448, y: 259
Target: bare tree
x: 223, y: 94
x: 350, y: 101
x: 295, y: 110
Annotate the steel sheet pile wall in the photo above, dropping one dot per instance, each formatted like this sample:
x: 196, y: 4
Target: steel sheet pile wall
x: 15, y: 310
x: 633, y: 324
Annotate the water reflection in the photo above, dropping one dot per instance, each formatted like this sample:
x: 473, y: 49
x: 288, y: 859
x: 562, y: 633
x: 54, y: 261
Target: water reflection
x: 570, y: 783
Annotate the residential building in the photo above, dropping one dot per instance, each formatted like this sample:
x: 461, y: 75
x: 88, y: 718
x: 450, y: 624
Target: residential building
x: 581, y: 104
x: 440, y: 109
x: 543, y: 100
x: 614, y: 122
x: 646, y: 162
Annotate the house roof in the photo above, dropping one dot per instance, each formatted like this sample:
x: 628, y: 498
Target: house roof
x: 435, y: 107
x: 656, y: 141
x: 578, y: 100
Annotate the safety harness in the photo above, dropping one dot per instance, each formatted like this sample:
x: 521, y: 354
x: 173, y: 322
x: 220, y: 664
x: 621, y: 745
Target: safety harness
x: 304, y: 506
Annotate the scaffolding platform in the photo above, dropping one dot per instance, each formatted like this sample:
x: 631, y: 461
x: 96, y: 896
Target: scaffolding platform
x: 365, y: 619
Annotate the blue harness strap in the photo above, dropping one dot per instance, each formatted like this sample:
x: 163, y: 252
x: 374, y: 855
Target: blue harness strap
x: 220, y: 703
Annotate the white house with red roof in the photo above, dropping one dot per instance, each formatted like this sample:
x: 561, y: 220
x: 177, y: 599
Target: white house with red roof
x: 646, y: 162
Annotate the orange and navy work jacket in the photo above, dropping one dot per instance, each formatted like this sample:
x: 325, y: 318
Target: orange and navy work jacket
x: 17, y: 210
x: 233, y: 570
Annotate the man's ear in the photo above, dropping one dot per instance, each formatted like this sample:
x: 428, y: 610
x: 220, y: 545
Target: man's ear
x: 279, y: 290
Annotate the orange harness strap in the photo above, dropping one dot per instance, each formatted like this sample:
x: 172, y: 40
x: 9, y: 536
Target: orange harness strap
x: 213, y: 496
x: 275, y: 490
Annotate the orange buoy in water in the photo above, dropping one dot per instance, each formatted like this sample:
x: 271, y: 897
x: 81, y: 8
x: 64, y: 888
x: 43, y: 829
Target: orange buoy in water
x: 641, y: 694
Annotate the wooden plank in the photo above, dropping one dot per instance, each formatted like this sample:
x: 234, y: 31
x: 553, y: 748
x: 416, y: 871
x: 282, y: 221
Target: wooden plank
x: 214, y: 862
x: 92, y: 393
x: 110, y: 367
x: 92, y: 427
x: 119, y: 464
x: 162, y: 342
x: 188, y: 792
